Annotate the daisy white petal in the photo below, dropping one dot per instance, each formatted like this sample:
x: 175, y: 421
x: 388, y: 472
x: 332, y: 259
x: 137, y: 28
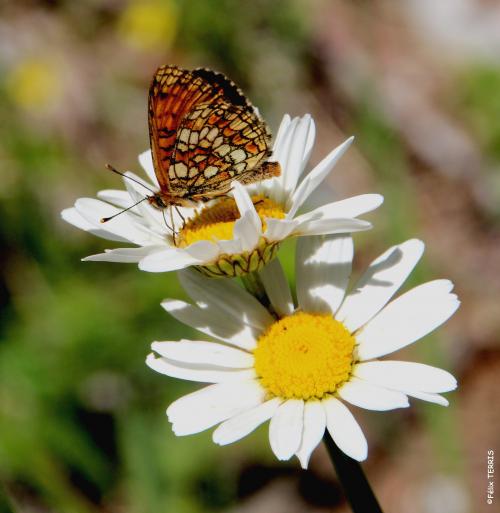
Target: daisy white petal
x: 126, y: 255
x: 204, y: 352
x: 203, y: 250
x: 331, y: 226
x: 406, y: 376
x: 123, y: 226
x: 246, y: 232
x: 407, y: 319
x: 72, y: 216
x: 248, y: 227
x: 272, y: 188
x: 323, y: 268
x: 120, y: 199
x: 282, y: 155
x: 279, y: 149
x: 344, y: 430
x: 296, y: 156
x: 171, y: 259
x: 244, y: 201
x: 213, y: 404
x: 379, y: 283
x: 277, y: 289
x: 279, y: 229
x: 228, y: 247
x: 350, y: 207
x: 174, y: 259
x: 244, y: 423
x: 197, y: 372
x: 372, y: 397
x: 146, y: 161
x: 314, y: 429
x: 285, y: 429
x: 311, y: 137
x: 213, y: 322
x: 430, y: 398
x: 316, y: 176
x: 276, y: 188
x: 137, y: 184
x: 214, y: 294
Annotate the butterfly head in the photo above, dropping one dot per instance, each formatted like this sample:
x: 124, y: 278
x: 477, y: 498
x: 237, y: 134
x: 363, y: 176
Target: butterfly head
x: 156, y: 201
x: 162, y: 200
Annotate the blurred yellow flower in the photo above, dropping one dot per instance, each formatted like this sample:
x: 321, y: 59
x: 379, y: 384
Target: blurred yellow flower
x: 148, y: 25
x: 34, y: 84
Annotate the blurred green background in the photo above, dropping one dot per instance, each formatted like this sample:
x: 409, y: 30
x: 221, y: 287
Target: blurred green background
x: 82, y: 424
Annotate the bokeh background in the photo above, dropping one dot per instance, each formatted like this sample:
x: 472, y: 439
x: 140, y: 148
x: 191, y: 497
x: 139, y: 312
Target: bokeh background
x: 82, y: 425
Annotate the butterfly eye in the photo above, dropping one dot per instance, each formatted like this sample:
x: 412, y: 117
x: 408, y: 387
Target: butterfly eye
x: 157, y: 201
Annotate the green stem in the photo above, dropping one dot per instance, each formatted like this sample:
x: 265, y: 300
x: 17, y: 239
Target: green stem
x: 253, y: 283
x: 356, y: 487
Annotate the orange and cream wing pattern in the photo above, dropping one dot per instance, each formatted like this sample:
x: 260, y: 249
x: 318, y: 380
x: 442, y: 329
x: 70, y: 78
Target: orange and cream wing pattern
x: 173, y: 94
x: 216, y: 144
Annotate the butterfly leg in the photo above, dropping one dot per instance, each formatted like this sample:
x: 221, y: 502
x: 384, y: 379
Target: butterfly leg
x: 180, y: 215
x: 165, y: 220
x: 171, y: 228
x: 174, y: 233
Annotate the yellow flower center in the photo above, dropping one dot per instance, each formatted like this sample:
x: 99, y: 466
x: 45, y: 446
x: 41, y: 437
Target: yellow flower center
x: 304, y: 356
x: 217, y: 221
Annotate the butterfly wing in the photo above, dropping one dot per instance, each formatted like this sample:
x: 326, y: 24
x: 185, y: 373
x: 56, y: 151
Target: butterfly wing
x: 216, y: 144
x: 228, y: 90
x: 173, y: 93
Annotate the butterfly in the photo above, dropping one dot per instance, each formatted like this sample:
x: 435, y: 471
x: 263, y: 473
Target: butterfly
x: 204, y: 133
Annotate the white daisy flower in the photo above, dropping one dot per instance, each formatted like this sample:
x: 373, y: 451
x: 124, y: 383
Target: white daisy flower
x: 300, y: 367
x: 229, y: 236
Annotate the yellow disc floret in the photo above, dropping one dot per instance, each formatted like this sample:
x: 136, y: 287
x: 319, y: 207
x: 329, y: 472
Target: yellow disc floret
x: 217, y: 221
x: 304, y: 356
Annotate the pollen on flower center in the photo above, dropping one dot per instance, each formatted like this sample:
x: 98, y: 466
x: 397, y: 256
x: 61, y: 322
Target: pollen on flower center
x: 304, y: 356
x: 217, y: 221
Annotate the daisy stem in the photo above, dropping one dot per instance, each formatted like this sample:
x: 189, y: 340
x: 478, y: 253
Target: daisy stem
x: 356, y: 487
x: 253, y: 283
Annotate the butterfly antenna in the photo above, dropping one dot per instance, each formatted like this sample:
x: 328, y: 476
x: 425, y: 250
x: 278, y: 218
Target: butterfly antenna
x: 106, y: 219
x: 114, y: 170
